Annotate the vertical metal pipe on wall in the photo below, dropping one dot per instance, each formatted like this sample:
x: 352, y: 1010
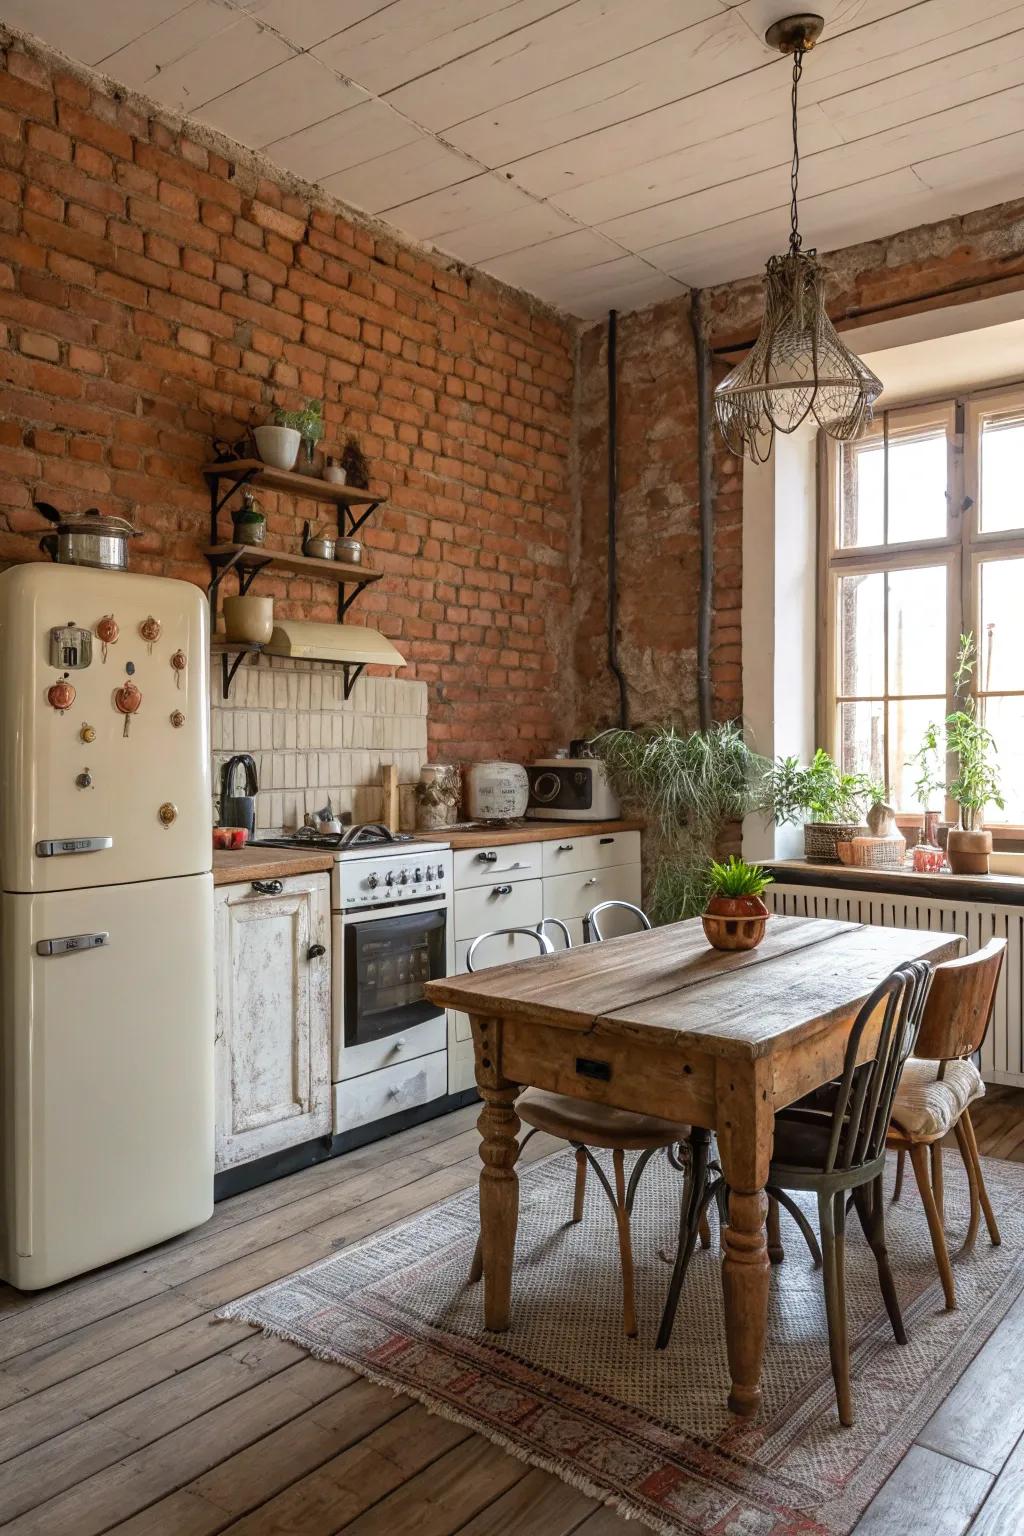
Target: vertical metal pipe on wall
x: 702, y: 359
x: 613, y: 509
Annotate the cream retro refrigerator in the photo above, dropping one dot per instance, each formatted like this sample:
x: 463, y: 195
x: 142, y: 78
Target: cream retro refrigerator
x: 106, y: 918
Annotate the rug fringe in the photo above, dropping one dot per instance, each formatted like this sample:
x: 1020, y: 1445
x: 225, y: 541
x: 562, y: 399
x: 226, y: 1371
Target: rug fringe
x: 237, y: 1312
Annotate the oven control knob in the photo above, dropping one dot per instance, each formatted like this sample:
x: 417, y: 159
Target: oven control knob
x: 430, y: 873
x: 417, y: 874
x: 403, y: 877
x: 389, y: 878
x: 373, y: 881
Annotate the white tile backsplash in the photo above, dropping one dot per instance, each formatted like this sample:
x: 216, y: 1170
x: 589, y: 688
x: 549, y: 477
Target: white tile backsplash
x: 310, y: 743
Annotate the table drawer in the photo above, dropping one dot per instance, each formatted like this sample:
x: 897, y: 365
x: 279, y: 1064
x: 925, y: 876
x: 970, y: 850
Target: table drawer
x: 359, y: 1100
x: 486, y: 866
x: 568, y: 855
x: 500, y: 903
x: 568, y: 896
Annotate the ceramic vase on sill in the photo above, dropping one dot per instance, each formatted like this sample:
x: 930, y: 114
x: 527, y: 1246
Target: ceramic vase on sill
x: 969, y: 852
x: 735, y: 922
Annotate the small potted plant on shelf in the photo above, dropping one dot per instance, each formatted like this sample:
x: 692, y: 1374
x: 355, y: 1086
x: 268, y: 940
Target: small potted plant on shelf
x: 248, y: 522
x: 830, y: 803
x: 735, y: 915
x: 975, y: 784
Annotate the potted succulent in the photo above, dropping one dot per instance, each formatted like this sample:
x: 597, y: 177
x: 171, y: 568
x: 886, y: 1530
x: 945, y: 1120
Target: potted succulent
x: 976, y: 781
x: 830, y: 803
x: 735, y: 915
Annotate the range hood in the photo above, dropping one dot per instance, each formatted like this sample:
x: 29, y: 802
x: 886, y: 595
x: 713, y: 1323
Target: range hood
x: 349, y: 643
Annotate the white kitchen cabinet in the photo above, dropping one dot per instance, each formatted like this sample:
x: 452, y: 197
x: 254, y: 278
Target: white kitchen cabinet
x: 273, y: 1042
x: 502, y: 887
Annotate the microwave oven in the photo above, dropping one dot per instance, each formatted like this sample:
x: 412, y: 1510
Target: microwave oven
x: 570, y: 789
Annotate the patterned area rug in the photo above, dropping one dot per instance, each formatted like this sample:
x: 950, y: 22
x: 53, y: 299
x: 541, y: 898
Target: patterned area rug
x: 649, y: 1432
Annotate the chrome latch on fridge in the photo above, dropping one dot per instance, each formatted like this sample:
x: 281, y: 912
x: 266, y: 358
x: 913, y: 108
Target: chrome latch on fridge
x: 72, y: 943
x: 51, y: 847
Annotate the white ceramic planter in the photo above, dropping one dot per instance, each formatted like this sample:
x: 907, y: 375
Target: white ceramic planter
x: 278, y: 446
x: 249, y: 620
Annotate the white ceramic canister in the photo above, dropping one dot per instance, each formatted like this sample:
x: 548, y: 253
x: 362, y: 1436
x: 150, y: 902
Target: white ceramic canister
x: 249, y: 619
x: 496, y: 791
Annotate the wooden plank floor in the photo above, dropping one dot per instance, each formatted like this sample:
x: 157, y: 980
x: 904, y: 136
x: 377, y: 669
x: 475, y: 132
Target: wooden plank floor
x: 125, y: 1407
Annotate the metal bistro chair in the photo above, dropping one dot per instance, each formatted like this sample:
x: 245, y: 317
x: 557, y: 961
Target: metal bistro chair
x: 591, y: 927
x: 585, y: 1125
x: 833, y: 1143
x: 939, y: 1086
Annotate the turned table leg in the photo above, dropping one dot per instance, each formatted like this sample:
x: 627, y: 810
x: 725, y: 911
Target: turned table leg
x: 498, y: 1125
x: 745, y: 1124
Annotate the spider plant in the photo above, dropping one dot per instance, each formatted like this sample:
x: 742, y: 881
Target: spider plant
x: 689, y: 785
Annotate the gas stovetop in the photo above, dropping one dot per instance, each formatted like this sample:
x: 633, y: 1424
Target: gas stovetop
x: 364, y: 841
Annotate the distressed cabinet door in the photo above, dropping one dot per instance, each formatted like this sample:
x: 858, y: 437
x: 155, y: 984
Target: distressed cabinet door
x: 273, y: 1018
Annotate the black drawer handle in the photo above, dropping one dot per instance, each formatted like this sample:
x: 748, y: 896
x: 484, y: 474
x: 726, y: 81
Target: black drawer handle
x: 315, y: 951
x: 268, y: 887
x: 600, y: 1071
x: 501, y: 890
x: 488, y: 857
x: 607, y: 839
x: 565, y: 847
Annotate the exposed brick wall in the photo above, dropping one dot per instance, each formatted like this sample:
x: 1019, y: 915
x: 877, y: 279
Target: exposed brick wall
x: 155, y: 292
x: 959, y: 260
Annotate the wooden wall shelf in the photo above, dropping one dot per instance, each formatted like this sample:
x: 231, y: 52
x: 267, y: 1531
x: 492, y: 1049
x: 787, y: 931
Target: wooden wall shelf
x: 256, y: 557
x: 227, y: 649
x: 253, y: 472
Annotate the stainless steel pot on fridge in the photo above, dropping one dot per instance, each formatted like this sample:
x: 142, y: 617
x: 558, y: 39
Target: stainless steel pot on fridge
x: 87, y: 538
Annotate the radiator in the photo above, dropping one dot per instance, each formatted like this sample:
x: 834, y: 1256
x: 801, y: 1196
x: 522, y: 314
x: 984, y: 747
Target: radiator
x: 1002, y: 1055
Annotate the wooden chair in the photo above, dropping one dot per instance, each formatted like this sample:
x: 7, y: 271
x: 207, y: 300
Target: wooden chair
x: 939, y: 1086
x: 584, y: 1126
x: 833, y: 1143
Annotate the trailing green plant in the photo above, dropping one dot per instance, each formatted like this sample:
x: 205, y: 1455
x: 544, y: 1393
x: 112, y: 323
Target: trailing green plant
x: 962, y: 735
x: 737, y: 878
x: 308, y: 422
x: 689, y: 785
x: 818, y: 791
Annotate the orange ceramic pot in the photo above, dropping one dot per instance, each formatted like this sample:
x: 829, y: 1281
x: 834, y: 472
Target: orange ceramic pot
x: 735, y: 922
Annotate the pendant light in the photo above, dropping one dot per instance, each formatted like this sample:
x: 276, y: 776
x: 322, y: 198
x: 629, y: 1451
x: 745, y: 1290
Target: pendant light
x: 798, y: 365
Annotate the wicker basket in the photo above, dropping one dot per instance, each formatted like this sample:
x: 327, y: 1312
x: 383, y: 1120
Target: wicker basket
x: 874, y: 852
x: 822, y: 837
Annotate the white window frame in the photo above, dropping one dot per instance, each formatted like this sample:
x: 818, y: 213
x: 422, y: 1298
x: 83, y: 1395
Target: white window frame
x: 963, y: 550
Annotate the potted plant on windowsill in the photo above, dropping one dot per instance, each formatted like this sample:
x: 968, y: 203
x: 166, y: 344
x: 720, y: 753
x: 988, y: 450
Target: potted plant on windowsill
x: 975, y: 784
x: 830, y: 803
x: 735, y: 916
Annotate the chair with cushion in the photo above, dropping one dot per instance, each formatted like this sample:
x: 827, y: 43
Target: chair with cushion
x: 585, y: 1125
x: 833, y: 1144
x: 939, y: 1085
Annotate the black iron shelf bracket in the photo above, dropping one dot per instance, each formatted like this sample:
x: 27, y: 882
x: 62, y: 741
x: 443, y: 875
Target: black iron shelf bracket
x: 351, y: 671
x: 355, y: 523
x: 345, y: 602
x: 228, y: 668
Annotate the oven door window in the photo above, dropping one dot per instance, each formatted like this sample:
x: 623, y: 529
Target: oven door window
x: 386, y: 964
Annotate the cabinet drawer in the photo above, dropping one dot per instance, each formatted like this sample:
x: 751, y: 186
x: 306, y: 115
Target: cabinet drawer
x: 568, y: 896
x: 487, y: 866
x: 499, y: 904
x: 354, y: 1060
x: 567, y: 855
x: 360, y: 1100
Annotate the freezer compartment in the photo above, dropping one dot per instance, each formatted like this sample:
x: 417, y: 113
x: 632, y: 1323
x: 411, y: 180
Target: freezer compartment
x: 107, y: 1073
x: 86, y: 801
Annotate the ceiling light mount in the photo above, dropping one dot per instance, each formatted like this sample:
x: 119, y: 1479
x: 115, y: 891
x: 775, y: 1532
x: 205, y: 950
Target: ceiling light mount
x: 795, y: 34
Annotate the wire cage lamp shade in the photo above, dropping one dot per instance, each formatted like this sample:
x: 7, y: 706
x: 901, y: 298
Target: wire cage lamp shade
x: 798, y: 367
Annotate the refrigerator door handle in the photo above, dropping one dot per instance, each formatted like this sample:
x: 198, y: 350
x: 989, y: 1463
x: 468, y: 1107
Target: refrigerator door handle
x: 51, y: 847
x: 72, y: 943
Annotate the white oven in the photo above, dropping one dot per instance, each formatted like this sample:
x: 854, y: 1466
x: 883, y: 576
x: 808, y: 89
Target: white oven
x: 391, y: 932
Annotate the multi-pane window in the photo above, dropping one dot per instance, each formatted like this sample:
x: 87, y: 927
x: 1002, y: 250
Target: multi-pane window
x: 923, y: 540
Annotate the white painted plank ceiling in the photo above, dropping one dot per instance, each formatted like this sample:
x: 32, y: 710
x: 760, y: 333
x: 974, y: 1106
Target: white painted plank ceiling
x: 597, y: 153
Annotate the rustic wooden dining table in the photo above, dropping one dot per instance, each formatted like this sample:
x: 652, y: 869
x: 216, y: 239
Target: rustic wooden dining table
x: 661, y: 1023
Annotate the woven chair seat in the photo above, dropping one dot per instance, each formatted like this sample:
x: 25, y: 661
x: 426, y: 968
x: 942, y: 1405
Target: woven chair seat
x: 926, y: 1106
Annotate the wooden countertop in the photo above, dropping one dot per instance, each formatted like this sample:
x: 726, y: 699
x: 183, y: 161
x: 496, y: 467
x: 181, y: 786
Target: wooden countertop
x: 1007, y: 890
x: 235, y: 866
x: 533, y: 832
